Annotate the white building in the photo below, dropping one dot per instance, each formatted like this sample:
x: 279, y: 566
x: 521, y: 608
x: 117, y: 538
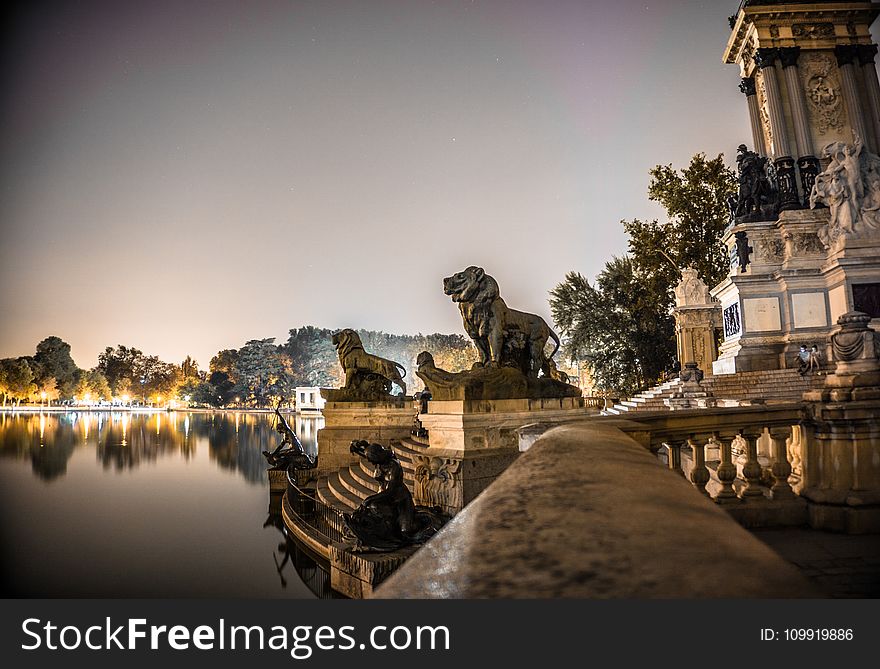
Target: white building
x: 308, y: 399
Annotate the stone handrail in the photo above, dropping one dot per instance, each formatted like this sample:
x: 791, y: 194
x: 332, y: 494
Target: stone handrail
x: 587, y: 511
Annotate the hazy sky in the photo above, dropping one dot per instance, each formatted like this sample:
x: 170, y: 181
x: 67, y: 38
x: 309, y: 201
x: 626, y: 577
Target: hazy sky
x: 183, y: 176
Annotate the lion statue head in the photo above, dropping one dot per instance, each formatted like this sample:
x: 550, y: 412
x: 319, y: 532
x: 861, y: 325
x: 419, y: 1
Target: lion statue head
x: 346, y: 340
x: 471, y: 285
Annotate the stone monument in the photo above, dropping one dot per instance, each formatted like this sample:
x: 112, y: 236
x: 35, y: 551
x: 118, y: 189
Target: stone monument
x: 697, y: 322
x: 364, y: 407
x: 473, y: 416
x: 813, y: 98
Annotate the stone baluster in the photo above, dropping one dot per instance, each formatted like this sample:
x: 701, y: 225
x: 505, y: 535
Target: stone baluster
x: 700, y: 472
x: 781, y: 468
x: 673, y: 454
x: 747, y: 87
x: 765, y: 58
x: 867, y: 52
x: 846, y: 54
x: 752, y: 468
x: 726, y: 471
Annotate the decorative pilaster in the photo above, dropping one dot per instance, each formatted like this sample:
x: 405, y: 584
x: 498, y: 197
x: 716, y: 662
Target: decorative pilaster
x: 867, y: 52
x: 786, y: 178
x: 747, y: 87
x: 766, y: 61
x: 846, y: 54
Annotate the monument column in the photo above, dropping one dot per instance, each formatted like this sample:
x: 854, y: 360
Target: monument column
x: 765, y: 58
x: 867, y: 52
x: 808, y: 164
x: 747, y: 86
x: 846, y: 54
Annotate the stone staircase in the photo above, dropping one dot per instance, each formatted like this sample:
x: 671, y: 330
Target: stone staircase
x: 346, y: 488
x: 777, y: 385
x: 648, y: 400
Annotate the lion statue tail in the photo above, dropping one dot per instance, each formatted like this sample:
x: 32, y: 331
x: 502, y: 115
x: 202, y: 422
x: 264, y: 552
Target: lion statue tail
x: 555, y: 338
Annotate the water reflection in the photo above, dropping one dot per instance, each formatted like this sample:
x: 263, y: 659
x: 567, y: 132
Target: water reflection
x: 146, y: 505
x: 125, y: 441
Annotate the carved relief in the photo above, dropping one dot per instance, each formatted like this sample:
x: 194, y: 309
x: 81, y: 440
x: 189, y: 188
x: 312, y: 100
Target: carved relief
x: 436, y: 482
x: 770, y: 249
x: 812, y: 30
x: 774, y: 30
x: 804, y: 244
x: 764, y: 109
x: 822, y: 91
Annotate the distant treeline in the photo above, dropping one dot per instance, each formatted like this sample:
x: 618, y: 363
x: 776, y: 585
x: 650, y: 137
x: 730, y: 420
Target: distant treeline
x: 258, y: 374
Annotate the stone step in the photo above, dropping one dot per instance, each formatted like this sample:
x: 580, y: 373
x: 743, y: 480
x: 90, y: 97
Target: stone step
x: 363, y: 474
x: 347, y: 478
x: 343, y: 494
x: 326, y: 495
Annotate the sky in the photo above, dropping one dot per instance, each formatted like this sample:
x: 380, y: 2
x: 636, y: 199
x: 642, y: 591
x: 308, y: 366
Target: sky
x: 185, y: 176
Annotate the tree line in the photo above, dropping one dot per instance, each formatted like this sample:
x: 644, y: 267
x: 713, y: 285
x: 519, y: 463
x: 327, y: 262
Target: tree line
x: 259, y: 374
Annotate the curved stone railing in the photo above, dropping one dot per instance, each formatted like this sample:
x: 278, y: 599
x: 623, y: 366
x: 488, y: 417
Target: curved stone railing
x: 587, y: 511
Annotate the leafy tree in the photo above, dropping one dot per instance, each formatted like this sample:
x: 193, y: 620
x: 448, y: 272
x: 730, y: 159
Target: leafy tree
x: 615, y: 327
x: 18, y: 378
x: 260, y: 372
x: 53, y: 360
x: 119, y: 367
x: 189, y: 368
x: 622, y: 326
x: 695, y: 200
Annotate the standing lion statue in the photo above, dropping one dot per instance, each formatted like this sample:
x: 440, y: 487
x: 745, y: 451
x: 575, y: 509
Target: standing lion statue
x: 365, y: 371
x: 503, y: 336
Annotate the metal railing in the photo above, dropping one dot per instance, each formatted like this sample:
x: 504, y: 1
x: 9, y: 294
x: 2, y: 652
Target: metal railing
x: 325, y: 522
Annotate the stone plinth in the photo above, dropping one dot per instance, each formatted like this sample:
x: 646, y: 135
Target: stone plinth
x: 697, y: 317
x: 379, y: 421
x: 356, y: 575
x: 841, y: 468
x: 474, y: 441
x: 790, y: 293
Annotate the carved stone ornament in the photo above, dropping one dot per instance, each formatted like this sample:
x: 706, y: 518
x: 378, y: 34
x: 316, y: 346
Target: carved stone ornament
x: 812, y: 30
x: 804, y: 244
x: 850, y: 188
x: 822, y: 91
x: 763, y: 108
x: 769, y: 249
x: 437, y: 481
x: 691, y: 291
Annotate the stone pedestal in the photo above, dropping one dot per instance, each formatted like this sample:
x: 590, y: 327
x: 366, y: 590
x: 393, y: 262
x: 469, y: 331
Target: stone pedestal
x: 697, y: 317
x: 356, y: 575
x: 379, y: 421
x: 790, y: 292
x: 476, y: 440
x: 841, y: 456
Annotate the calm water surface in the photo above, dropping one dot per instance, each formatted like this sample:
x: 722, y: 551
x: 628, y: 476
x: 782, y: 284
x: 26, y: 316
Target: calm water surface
x: 145, y: 505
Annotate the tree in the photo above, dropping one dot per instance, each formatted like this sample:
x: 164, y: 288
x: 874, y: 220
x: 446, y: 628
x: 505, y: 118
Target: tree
x: 614, y: 327
x: 622, y: 327
x: 119, y: 367
x: 260, y: 372
x: 189, y: 368
x: 695, y: 200
x: 18, y: 378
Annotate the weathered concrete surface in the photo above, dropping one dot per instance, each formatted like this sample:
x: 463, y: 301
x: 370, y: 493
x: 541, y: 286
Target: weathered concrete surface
x: 588, y: 512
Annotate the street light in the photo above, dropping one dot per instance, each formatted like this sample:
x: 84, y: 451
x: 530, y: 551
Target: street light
x: 43, y: 398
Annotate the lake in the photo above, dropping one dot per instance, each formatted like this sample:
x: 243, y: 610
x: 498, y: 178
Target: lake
x: 166, y: 504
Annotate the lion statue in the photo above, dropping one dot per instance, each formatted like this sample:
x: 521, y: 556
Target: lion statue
x: 361, y: 367
x: 503, y: 336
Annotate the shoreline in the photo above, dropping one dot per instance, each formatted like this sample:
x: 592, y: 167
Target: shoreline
x: 30, y: 408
